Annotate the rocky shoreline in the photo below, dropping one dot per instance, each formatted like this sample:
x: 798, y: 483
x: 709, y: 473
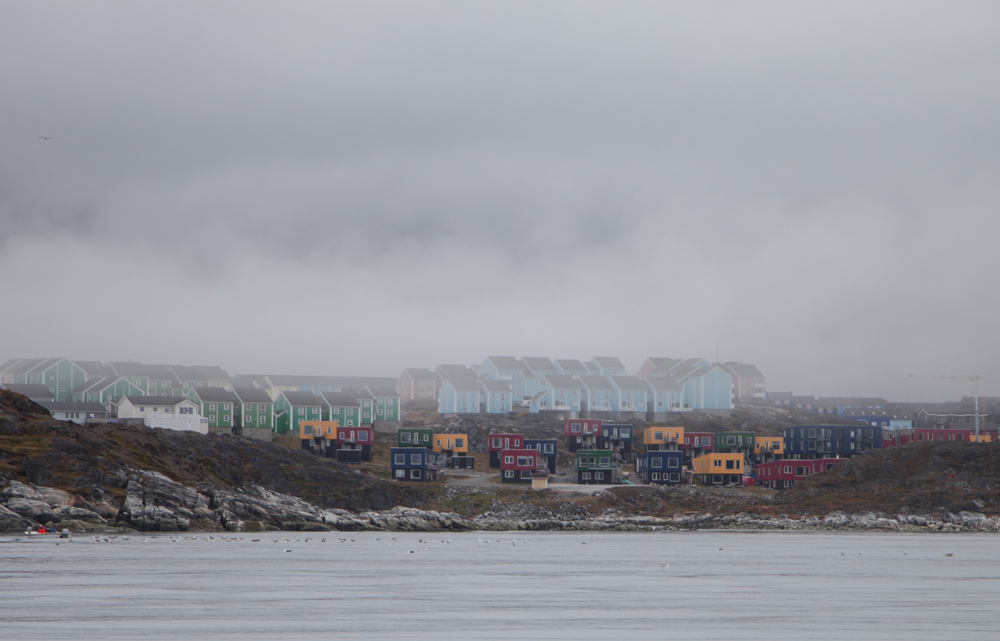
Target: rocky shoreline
x: 154, y: 503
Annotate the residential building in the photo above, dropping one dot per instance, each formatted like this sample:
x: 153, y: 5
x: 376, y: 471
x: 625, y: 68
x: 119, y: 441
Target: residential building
x: 354, y: 444
x: 581, y: 433
x: 608, y: 366
x: 413, y: 464
x: 253, y: 412
x: 557, y: 393
x: 143, y: 406
x: 664, y: 396
x: 697, y: 444
x: 497, y: 442
x: 719, y: 468
x: 547, y: 448
x: 597, y: 467
x: 454, y: 451
x: 414, y: 437
x: 37, y: 393
x: 319, y: 437
x: 657, y: 366
x: 768, y: 448
x: 632, y: 394
x: 76, y: 412
x: 876, y: 417
x: 535, y: 368
x: 386, y: 406
x: 445, y: 372
x: 734, y: 441
x: 496, y: 396
x: 830, y: 441
x: 708, y: 387
x: 417, y: 384
x: 151, y: 380
x: 749, y: 383
x: 217, y: 405
x: 341, y: 407
x: 366, y: 400
x: 509, y: 369
x: 660, y: 468
x: 782, y: 474
x: 291, y: 408
x: 659, y: 439
x: 519, y: 465
x: 598, y: 395
x: 105, y: 391
x: 571, y: 367
x: 459, y: 396
x: 618, y: 439
x: 60, y: 375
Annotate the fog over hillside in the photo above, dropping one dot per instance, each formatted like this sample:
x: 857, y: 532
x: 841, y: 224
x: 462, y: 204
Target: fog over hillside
x: 354, y: 188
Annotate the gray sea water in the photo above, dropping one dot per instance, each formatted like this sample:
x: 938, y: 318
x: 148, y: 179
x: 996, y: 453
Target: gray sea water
x: 670, y: 585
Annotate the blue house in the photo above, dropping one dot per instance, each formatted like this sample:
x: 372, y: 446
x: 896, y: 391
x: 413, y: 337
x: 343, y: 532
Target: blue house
x: 571, y: 367
x: 877, y: 417
x: 830, y: 441
x: 664, y: 396
x: 413, y: 464
x: 557, y: 392
x: 538, y: 366
x: 631, y: 394
x: 708, y: 388
x: 459, y: 396
x: 598, y: 394
x: 506, y: 368
x: 547, y: 447
x: 607, y: 366
x: 616, y: 437
x: 662, y: 468
x: 496, y: 396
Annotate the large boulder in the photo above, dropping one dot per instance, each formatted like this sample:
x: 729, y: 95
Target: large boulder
x: 14, y: 522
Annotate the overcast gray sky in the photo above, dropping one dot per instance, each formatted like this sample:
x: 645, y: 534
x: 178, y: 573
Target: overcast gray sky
x: 352, y: 188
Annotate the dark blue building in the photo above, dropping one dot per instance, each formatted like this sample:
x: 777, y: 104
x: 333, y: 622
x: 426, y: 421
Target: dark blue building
x: 413, y: 464
x: 548, y: 448
x: 660, y: 467
x: 617, y: 438
x: 830, y: 441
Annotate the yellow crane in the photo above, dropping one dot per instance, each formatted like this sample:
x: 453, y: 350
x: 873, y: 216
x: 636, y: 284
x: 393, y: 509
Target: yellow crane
x: 975, y: 378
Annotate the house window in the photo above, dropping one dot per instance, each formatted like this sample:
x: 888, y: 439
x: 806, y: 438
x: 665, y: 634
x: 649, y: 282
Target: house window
x: 656, y: 476
x: 211, y: 408
x: 401, y: 474
x: 226, y: 406
x: 717, y: 463
x: 672, y: 462
x: 509, y: 460
x: 730, y: 465
x: 598, y: 476
x: 399, y: 459
x: 459, y: 442
x: 522, y: 461
x: 585, y: 476
x: 509, y: 474
x: 302, y: 411
x: 263, y: 420
x: 675, y: 477
x: 716, y: 478
x: 415, y: 459
x: 656, y: 462
x: 415, y: 474
x: 404, y: 437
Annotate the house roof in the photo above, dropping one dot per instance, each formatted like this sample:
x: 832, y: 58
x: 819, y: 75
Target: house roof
x: 155, y: 372
x: 66, y: 406
x: 686, y: 367
x: 92, y: 384
x: 562, y: 381
x: 609, y: 361
x: 213, y: 372
x: 491, y: 385
x: 419, y: 372
x: 93, y: 368
x: 382, y: 390
x: 539, y: 364
x: 249, y: 380
x: 31, y: 391
x: 506, y: 362
x: 154, y: 400
x: 629, y: 382
x: 213, y: 394
x: 591, y: 367
x: 745, y: 370
x: 189, y: 373
x: 358, y: 392
x: 455, y: 371
x: 595, y: 382
x: 662, y: 364
x: 45, y: 364
x: 251, y: 395
x: 301, y: 398
x: 340, y: 399
x: 780, y: 396
x: 571, y: 364
x: 463, y: 384
x: 663, y: 383
x: 11, y: 362
x: 23, y: 365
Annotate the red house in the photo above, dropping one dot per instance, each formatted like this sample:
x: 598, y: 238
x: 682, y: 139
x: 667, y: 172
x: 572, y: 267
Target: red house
x: 517, y: 465
x: 354, y: 444
x: 581, y: 433
x: 416, y: 383
x: 498, y: 442
x: 697, y: 443
x: 781, y: 474
x: 892, y: 438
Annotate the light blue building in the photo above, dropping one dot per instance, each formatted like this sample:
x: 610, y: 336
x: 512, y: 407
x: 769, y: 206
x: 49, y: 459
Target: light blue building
x: 597, y: 394
x: 571, y: 367
x: 535, y: 368
x: 506, y: 368
x: 459, y: 396
x: 631, y: 393
x: 496, y: 396
x: 900, y: 418
x: 708, y: 388
x: 557, y: 392
x: 607, y: 366
x: 664, y: 396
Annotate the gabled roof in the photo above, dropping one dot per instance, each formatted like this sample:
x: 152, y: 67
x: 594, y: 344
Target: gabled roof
x: 64, y: 406
x: 31, y: 391
x: 382, y: 390
x: 213, y: 372
x: 23, y: 365
x: 662, y: 364
x: 419, y: 372
x: 358, y: 392
x: 571, y: 364
x: 592, y: 367
x: 506, y: 362
x: 213, y: 394
x: 300, y: 398
x: 251, y: 395
x: 154, y: 400
x: 93, y: 368
x: 249, y: 380
x: 780, y: 396
x: 539, y: 364
x: 745, y: 370
x: 188, y: 373
x: 491, y: 385
x: 45, y: 364
x: 93, y: 383
x: 663, y: 384
x: 9, y: 363
x: 595, y: 382
x: 155, y: 372
x: 629, y: 382
x: 609, y: 361
x: 340, y: 399
x: 455, y: 371
x: 463, y: 384
x: 562, y: 381
x: 686, y: 367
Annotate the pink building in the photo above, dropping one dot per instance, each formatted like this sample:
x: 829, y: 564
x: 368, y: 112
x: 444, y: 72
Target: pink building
x: 417, y: 383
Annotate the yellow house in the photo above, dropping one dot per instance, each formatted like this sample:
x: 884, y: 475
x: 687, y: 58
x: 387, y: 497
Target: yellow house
x: 983, y: 437
x: 719, y: 468
x: 455, y: 443
x: 659, y: 438
x: 769, y: 445
x: 309, y: 430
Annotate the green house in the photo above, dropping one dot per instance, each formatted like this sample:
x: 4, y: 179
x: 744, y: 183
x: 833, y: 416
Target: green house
x: 597, y: 467
x: 732, y: 442
x: 60, y: 375
x: 104, y: 390
x: 386, y: 402
x: 252, y: 408
x: 367, y: 402
x: 217, y: 405
x: 290, y: 408
x: 414, y: 437
x: 341, y: 407
x: 153, y: 380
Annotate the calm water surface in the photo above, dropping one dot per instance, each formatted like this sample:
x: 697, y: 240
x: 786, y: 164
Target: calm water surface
x: 726, y: 585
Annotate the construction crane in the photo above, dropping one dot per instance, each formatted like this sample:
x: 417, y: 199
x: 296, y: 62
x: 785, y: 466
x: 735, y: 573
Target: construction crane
x: 975, y: 378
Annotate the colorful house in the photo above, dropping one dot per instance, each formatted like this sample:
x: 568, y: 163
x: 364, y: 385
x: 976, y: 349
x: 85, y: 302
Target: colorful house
x: 252, y: 408
x: 319, y: 437
x: 581, y: 433
x: 354, y: 444
x: 386, y: 406
x: 414, y: 437
x: 366, y: 400
x: 509, y: 369
x: 60, y: 375
x: 632, y: 394
x: 535, y: 368
x: 742, y: 442
x: 341, y: 407
x: 413, y: 464
x: 663, y: 396
x: 547, y: 448
x: 497, y: 396
x: 153, y: 380
x: 698, y: 443
x: 748, y: 381
x: 658, y: 366
x: 291, y: 408
x: 782, y: 474
x: 707, y: 388
x: 660, y: 468
x: 571, y: 367
x: 660, y: 439
x: 618, y: 439
x: 105, y: 391
x: 719, y: 468
x: 597, y: 394
x: 928, y: 435
x: 608, y: 366
x: 76, y: 412
x: 216, y: 404
x: 497, y: 442
x: 454, y: 448
x: 417, y: 384
x: 557, y: 393
x: 768, y: 448
x: 459, y: 396
x: 597, y: 467
x: 520, y: 465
